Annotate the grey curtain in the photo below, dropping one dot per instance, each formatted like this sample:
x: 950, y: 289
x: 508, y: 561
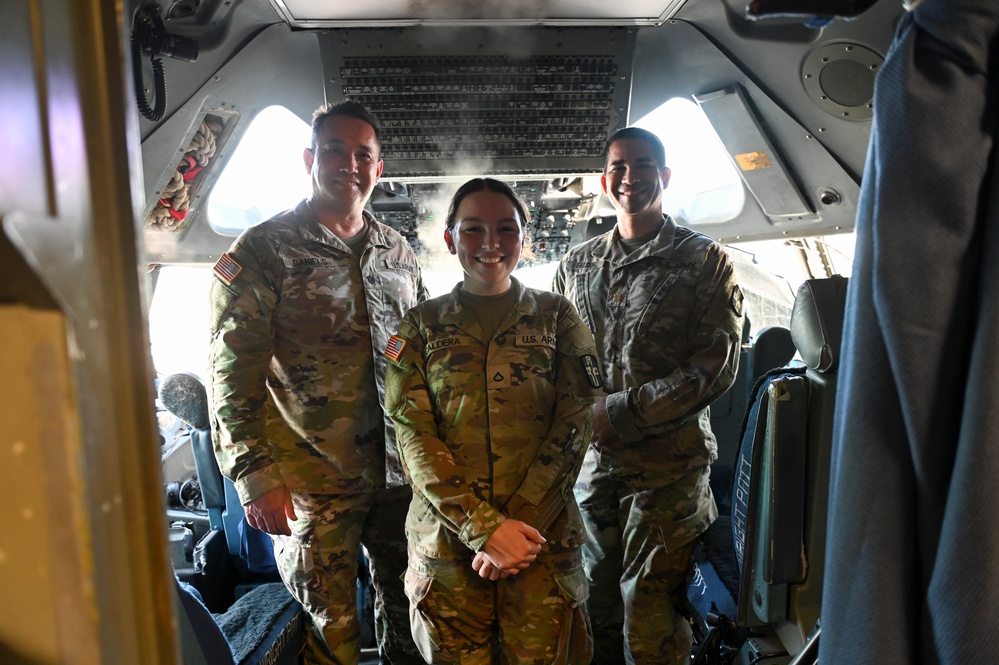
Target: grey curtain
x: 912, y: 572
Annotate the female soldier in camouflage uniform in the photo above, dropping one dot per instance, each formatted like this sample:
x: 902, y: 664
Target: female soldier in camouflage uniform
x: 490, y: 388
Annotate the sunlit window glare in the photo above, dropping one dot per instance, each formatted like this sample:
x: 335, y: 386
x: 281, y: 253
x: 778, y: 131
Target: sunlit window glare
x: 704, y: 187
x: 265, y: 175
x: 178, y: 320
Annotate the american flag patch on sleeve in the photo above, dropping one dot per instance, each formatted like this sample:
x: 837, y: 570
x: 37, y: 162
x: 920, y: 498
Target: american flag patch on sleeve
x: 394, y: 347
x: 227, y: 268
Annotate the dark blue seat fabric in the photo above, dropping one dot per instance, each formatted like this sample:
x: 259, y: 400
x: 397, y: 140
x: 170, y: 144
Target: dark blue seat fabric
x: 772, y: 348
x: 765, y: 350
x: 762, y: 566
x: 714, y: 586
x: 184, y: 396
x: 262, y: 626
x: 208, y: 646
x: 719, y: 554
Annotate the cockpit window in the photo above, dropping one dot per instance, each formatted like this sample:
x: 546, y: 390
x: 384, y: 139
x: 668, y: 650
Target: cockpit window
x: 704, y: 187
x: 265, y: 175
x: 178, y: 320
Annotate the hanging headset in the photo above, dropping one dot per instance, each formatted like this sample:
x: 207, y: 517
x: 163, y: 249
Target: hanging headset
x: 149, y: 37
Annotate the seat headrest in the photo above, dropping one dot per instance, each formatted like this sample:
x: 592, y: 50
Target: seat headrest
x: 817, y: 322
x: 184, y: 396
x: 772, y: 348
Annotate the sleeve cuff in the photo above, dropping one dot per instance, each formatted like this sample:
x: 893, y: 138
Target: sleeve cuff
x: 258, y: 483
x: 620, y: 417
x: 481, y: 524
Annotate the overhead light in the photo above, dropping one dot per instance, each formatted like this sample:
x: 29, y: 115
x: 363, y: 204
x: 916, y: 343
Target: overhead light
x: 378, y: 13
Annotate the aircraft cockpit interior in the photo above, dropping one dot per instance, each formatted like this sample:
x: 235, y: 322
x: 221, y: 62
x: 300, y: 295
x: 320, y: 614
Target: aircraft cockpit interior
x: 142, y: 137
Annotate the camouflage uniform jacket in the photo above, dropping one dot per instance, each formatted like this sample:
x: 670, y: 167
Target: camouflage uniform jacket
x: 491, y: 428
x: 297, y: 373
x: 669, y: 339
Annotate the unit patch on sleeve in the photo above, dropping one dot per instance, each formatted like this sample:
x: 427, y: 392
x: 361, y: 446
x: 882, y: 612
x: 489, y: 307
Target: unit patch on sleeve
x: 592, y: 370
x: 394, y: 347
x: 737, y: 300
x: 227, y: 268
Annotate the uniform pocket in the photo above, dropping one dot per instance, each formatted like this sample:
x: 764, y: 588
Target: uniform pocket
x: 297, y: 566
x: 650, y: 309
x: 575, y: 641
x: 426, y: 635
x: 221, y: 298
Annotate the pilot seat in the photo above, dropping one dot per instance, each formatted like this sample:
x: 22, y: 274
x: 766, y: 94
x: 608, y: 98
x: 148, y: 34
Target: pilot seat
x: 756, y: 590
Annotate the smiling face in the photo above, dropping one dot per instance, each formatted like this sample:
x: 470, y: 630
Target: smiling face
x: 634, y: 181
x: 488, y: 237
x: 344, y: 164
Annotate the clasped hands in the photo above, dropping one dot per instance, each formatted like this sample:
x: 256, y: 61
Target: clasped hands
x: 510, y: 549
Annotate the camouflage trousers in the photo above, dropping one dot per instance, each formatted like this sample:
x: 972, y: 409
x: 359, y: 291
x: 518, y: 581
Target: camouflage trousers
x: 638, y: 558
x: 535, y: 617
x: 318, y: 564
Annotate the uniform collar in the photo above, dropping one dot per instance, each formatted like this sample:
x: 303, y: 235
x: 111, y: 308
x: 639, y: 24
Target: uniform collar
x: 453, y: 313
x: 310, y: 229
x: 660, y: 246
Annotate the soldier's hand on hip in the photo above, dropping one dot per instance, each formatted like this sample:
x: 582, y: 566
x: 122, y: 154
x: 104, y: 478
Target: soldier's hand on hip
x: 272, y: 512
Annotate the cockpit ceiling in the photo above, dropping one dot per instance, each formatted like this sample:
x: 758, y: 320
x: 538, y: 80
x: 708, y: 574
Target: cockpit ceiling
x: 326, y: 14
x: 469, y: 100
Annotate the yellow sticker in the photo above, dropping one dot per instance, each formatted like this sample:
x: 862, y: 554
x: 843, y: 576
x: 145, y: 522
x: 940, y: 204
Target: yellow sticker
x: 750, y: 161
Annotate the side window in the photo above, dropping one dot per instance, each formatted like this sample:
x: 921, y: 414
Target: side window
x: 770, y: 272
x: 265, y: 175
x: 178, y: 321
x: 704, y: 187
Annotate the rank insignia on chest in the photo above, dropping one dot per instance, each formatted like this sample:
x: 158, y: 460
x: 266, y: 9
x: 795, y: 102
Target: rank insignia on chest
x: 394, y: 347
x: 227, y: 268
x: 592, y: 370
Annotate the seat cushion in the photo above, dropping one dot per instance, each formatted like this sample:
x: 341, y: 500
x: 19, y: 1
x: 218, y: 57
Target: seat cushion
x: 263, y: 626
x: 715, y: 584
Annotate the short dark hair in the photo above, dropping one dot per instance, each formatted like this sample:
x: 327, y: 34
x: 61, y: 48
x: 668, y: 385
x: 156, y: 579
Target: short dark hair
x: 491, y: 185
x: 658, y: 149
x: 348, y: 108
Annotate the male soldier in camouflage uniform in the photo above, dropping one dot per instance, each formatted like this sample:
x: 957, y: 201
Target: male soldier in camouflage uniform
x: 666, y: 313
x: 302, y: 307
x: 491, y: 388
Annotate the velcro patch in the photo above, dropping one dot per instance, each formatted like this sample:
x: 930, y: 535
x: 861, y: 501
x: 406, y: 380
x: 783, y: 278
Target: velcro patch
x: 737, y: 300
x: 498, y: 376
x: 592, y: 370
x: 394, y: 347
x: 536, y: 340
x: 227, y: 268
x: 308, y: 262
x: 443, y: 343
x: 400, y: 265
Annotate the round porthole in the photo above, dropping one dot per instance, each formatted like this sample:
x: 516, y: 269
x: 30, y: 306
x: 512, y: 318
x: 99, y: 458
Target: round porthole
x: 839, y: 77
